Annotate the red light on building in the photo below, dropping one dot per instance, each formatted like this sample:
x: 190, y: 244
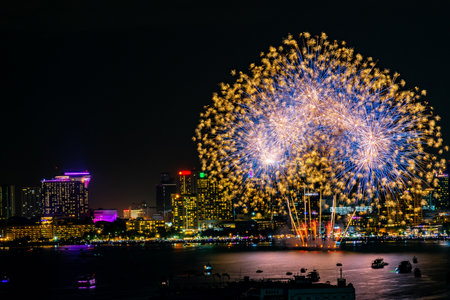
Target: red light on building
x: 184, y: 173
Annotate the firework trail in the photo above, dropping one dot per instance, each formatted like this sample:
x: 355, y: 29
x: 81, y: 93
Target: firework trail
x: 316, y: 115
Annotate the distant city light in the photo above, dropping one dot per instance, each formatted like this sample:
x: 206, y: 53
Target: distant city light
x: 76, y: 173
x: 105, y: 215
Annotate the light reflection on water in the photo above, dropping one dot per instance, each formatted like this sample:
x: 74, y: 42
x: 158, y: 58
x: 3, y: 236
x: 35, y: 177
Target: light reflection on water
x: 369, y: 283
x: 131, y: 272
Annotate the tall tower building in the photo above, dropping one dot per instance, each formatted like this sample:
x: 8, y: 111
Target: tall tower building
x: 184, y: 202
x: 441, y: 192
x: 186, y: 183
x: 184, y: 209
x: 31, y: 202
x: 7, y: 201
x: 212, y: 206
x: 66, y: 196
x: 164, y: 191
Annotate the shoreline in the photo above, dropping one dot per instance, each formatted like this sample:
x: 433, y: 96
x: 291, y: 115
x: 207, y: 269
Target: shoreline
x: 275, y: 244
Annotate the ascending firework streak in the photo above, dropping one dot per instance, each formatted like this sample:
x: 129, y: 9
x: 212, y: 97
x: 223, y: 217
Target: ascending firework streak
x: 315, y: 116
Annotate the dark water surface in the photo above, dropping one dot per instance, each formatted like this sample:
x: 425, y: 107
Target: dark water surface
x: 132, y: 272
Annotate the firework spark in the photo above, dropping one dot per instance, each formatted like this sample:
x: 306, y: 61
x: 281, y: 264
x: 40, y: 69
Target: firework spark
x: 315, y: 114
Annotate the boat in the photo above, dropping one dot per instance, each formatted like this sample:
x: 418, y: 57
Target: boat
x: 5, y: 279
x: 86, y: 282
x: 404, y: 267
x: 378, y: 263
x: 415, y: 261
x: 313, y: 276
x: 303, y: 270
x: 288, y: 273
x: 417, y: 272
x: 207, y: 267
x: 259, y: 271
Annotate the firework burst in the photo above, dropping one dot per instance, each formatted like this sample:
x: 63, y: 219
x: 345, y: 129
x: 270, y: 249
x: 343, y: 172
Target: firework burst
x: 315, y: 114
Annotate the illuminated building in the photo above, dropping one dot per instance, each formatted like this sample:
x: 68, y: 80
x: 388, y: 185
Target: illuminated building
x: 441, y: 192
x: 47, y: 230
x: 133, y: 214
x: 145, y: 226
x: 71, y: 231
x: 186, y: 183
x: 105, y: 215
x: 184, y: 203
x: 427, y: 197
x: 7, y: 201
x: 346, y: 210
x: 31, y: 203
x: 184, y: 209
x: 66, y: 196
x: 137, y: 214
x: 198, y: 202
x: 164, y: 191
x: 33, y: 232
x: 211, y: 204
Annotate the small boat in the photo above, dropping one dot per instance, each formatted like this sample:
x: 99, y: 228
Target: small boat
x: 303, y: 270
x: 378, y: 263
x: 415, y: 260
x: 259, y: 271
x: 86, y: 282
x: 207, y: 267
x: 404, y: 267
x: 417, y: 272
x: 5, y: 279
x: 313, y: 276
x: 289, y: 273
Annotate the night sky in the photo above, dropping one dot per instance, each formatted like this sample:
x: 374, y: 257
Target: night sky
x: 117, y: 89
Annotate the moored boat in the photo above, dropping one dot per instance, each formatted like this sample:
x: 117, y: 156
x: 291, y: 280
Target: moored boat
x: 4, y: 279
x: 378, y: 263
x: 313, y: 276
x: 404, y: 267
x: 86, y: 282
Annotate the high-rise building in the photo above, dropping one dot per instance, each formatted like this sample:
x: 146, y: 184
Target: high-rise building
x: 164, y: 191
x: 31, y: 203
x: 186, y: 183
x: 441, y: 192
x: 184, y: 202
x: 66, y: 196
x: 184, y: 208
x: 7, y: 201
x: 198, y: 202
x: 211, y: 204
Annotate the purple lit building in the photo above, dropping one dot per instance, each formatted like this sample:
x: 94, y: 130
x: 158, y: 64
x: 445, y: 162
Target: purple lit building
x: 66, y: 196
x: 106, y: 215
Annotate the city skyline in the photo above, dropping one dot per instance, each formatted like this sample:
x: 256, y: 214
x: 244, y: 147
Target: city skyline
x: 133, y: 114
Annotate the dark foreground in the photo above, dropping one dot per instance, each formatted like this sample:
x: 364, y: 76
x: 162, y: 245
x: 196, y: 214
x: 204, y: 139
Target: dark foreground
x: 135, y: 272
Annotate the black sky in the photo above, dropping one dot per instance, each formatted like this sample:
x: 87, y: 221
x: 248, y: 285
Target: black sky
x: 117, y: 88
